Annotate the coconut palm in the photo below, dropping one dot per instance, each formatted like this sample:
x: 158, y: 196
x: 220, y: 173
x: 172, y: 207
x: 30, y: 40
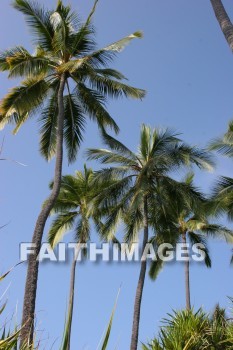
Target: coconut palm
x: 224, y: 21
x: 74, y: 209
x: 141, y: 178
x: 223, y: 189
x: 189, y: 223
x: 223, y: 196
x: 64, y: 81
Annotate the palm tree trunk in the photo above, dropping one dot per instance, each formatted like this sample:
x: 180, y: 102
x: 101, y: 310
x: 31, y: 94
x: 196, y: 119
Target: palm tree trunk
x: 224, y: 21
x: 71, y: 303
x: 33, y: 264
x: 187, y: 281
x: 141, y: 280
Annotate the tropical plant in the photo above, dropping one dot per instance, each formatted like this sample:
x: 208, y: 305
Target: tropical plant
x: 9, y: 340
x: 224, y: 144
x: 105, y: 339
x: 142, y: 180
x: 74, y: 209
x: 189, y: 223
x: 189, y: 330
x: 224, y: 21
x: 64, y: 81
x: 222, y: 193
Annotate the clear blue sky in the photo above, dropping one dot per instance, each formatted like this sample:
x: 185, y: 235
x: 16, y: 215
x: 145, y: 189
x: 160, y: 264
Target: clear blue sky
x: 187, y: 68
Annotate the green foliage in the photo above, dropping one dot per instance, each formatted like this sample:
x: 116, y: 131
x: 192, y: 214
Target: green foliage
x: 74, y: 207
x: 222, y: 193
x: 147, y: 173
x: 189, y: 330
x: 63, y: 46
x: 189, y: 217
x: 224, y: 145
x: 106, y: 336
x: 9, y: 339
x: 109, y: 327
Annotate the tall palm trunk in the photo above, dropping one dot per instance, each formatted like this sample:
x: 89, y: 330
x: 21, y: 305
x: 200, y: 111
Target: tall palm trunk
x: 139, y: 291
x: 187, y: 281
x: 71, y: 304
x: 33, y: 264
x: 224, y: 21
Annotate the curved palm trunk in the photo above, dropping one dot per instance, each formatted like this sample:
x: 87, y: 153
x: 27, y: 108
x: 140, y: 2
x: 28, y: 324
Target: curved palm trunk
x: 141, y: 280
x: 71, y: 304
x: 224, y: 21
x: 33, y: 264
x: 187, y: 281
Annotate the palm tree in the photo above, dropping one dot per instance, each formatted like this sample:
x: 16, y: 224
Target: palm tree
x: 74, y: 209
x: 141, y: 179
x: 224, y: 21
x: 189, y: 223
x: 222, y: 195
x: 223, y: 190
x: 64, y: 81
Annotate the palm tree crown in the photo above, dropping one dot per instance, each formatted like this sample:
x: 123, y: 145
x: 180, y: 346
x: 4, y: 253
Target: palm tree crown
x: 189, y: 222
x: 74, y: 207
x: 64, y: 47
x: 142, y: 181
x: 65, y: 79
x: 146, y: 173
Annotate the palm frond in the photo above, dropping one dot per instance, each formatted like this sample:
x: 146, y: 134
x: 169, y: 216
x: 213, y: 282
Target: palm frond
x: 38, y: 20
x: 82, y: 230
x: 74, y: 125
x: 222, y: 147
x: 93, y: 105
x: 100, y: 57
x: 133, y: 224
x: 199, y: 157
x: 107, y: 157
x: 119, y: 45
x: 113, y: 88
x: 109, y: 327
x: 48, y: 129
x: 107, y: 229
x: 200, y: 239
x: 116, y: 145
x: 161, y: 140
x: 155, y: 268
x: 222, y: 197
x: 218, y: 231
x: 22, y: 101
x: 23, y: 64
x: 60, y: 225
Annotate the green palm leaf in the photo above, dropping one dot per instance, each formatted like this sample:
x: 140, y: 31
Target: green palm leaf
x: 74, y: 126
x: 38, y: 20
x: 23, y: 101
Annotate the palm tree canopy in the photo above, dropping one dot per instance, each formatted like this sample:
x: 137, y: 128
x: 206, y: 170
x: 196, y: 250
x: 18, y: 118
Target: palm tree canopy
x: 222, y: 197
x: 63, y: 46
x: 74, y: 207
x: 224, y: 145
x: 144, y: 173
x: 222, y: 193
x: 189, y: 216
